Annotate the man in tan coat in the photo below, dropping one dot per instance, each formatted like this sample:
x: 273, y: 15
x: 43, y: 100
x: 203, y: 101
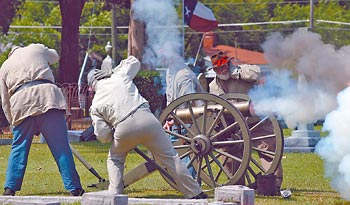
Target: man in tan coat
x: 33, y: 104
x: 232, y: 78
x: 180, y: 81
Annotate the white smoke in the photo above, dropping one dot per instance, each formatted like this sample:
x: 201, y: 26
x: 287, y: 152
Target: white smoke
x: 318, y: 93
x: 323, y: 72
x: 335, y: 148
x: 164, y: 43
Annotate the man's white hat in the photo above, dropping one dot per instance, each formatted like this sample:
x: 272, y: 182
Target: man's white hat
x: 13, y: 48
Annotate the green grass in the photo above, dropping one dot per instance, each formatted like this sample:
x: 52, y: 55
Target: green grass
x: 303, y: 174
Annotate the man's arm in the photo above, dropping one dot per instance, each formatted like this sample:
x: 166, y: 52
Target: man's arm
x: 102, y: 129
x: 245, y: 72
x: 3, y: 120
x: 52, y: 55
x: 3, y: 91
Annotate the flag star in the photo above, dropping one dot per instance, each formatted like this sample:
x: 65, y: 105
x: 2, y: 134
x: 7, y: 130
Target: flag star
x: 187, y: 12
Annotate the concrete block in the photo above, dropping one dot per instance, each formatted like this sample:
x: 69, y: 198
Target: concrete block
x: 235, y: 194
x: 39, y: 200
x: 299, y: 149
x: 5, y: 141
x: 300, y: 141
x: 223, y: 203
x: 30, y: 202
x: 74, y: 135
x: 104, y: 198
x: 144, y: 201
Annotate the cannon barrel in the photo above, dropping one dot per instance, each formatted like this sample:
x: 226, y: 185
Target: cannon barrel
x: 245, y: 108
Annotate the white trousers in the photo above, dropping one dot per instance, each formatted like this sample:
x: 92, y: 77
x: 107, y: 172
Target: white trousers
x: 143, y: 127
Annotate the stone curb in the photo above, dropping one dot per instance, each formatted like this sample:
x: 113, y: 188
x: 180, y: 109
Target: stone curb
x: 226, y: 195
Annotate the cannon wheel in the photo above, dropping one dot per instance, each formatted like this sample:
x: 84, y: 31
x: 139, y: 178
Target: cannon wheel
x: 258, y: 138
x: 204, y: 138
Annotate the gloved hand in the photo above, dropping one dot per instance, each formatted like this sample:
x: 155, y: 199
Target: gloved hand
x: 235, y: 72
x: 101, y: 74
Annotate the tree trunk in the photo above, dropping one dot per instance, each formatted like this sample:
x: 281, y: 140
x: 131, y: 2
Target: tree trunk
x: 69, y: 62
x: 136, y: 38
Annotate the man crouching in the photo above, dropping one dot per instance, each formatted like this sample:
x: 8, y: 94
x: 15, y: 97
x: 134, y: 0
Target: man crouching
x: 120, y: 115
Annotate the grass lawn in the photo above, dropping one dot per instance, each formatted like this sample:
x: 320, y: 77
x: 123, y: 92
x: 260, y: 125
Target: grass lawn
x: 303, y: 174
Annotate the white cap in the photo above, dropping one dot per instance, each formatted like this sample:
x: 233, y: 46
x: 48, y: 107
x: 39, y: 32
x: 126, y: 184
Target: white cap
x: 108, y: 47
x: 12, y: 50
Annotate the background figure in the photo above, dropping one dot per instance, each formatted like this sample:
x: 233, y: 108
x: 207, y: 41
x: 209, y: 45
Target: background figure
x: 122, y: 116
x: 232, y: 78
x: 33, y: 104
x: 107, y: 64
x: 92, y: 60
x: 180, y: 80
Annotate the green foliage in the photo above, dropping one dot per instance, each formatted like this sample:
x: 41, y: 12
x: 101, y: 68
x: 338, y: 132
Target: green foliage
x: 149, y: 85
x: 34, y: 14
x: 98, y: 14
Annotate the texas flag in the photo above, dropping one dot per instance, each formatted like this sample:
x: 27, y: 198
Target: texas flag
x: 199, y: 17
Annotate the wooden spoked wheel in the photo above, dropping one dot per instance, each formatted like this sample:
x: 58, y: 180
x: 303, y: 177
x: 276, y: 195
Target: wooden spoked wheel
x: 265, y: 131
x: 209, y: 133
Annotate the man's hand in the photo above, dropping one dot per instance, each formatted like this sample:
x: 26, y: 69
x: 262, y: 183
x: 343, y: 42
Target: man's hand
x: 168, y: 124
x: 235, y: 72
x: 101, y: 74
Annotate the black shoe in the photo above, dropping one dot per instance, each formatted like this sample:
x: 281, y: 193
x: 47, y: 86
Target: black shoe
x: 9, y: 192
x: 77, y: 192
x: 202, y: 195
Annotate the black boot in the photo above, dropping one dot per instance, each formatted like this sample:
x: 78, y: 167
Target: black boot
x: 9, y: 192
x: 77, y: 192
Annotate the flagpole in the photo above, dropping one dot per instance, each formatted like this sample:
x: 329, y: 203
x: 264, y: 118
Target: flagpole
x: 183, y: 29
x: 199, y: 48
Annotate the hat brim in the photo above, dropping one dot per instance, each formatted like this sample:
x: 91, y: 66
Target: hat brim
x: 212, y: 67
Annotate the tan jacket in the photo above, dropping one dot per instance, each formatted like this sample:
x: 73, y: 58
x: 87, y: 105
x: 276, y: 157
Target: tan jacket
x: 27, y: 64
x: 115, y: 98
x: 184, y: 82
x: 250, y: 75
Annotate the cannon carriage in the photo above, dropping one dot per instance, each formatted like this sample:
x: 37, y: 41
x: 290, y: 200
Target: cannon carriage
x: 220, y: 138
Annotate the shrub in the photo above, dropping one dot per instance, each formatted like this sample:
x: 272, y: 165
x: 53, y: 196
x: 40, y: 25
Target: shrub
x: 150, y: 87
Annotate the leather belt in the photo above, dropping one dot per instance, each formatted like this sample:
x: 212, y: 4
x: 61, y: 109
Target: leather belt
x: 32, y: 83
x: 143, y: 105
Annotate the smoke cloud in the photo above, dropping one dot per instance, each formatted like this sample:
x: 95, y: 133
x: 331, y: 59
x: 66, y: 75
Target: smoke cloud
x: 323, y: 72
x: 164, y: 43
x: 320, y: 92
x: 335, y: 148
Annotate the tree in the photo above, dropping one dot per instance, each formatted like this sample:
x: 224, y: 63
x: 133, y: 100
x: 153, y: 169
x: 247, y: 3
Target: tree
x: 334, y: 34
x: 8, y: 12
x: 69, y: 61
x: 136, y: 38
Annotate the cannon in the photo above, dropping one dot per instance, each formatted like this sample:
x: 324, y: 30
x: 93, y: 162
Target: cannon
x: 214, y: 132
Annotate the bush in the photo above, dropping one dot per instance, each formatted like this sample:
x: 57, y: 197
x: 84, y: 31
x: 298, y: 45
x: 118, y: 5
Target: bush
x: 150, y: 87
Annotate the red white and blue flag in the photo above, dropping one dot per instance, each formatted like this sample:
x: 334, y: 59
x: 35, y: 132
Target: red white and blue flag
x: 199, y: 17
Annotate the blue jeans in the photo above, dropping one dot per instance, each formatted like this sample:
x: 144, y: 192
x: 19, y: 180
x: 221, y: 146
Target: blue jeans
x: 52, y: 125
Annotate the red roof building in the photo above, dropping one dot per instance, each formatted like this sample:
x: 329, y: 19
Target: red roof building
x: 241, y: 56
